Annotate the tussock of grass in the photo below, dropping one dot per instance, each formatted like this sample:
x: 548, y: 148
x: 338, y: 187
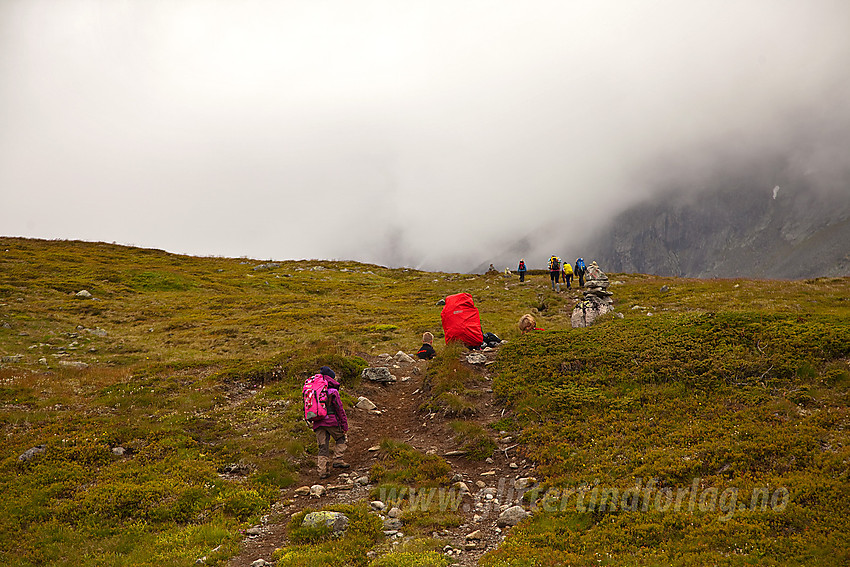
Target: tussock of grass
x: 473, y: 439
x: 318, y: 547
x: 447, y: 384
x: 402, y: 464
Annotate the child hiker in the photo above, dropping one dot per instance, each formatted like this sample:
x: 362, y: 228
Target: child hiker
x: 334, y: 425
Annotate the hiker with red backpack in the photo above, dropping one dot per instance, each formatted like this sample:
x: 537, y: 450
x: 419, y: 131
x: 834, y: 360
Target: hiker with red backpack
x: 324, y: 412
x: 521, y: 269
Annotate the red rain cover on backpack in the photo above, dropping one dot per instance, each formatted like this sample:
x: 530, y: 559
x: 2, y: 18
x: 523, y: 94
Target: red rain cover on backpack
x: 461, y: 321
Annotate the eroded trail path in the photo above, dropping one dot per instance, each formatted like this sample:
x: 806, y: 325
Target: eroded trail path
x: 397, y: 417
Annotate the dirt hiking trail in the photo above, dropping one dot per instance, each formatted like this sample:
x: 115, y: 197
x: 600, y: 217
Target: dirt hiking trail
x: 396, y: 417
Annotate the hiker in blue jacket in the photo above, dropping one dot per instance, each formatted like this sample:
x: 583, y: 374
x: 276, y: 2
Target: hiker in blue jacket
x: 580, y: 270
x: 334, y: 425
x: 521, y: 270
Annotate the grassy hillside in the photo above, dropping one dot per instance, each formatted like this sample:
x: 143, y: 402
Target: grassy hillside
x: 192, y: 365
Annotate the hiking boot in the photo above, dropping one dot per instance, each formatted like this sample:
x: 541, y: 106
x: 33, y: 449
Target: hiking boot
x: 341, y: 465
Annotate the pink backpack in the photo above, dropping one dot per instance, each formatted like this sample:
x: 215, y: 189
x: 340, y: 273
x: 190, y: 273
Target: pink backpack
x: 315, y: 394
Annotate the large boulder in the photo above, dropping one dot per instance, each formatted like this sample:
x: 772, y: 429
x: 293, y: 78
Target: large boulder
x: 512, y: 516
x: 587, y: 311
x: 334, y: 520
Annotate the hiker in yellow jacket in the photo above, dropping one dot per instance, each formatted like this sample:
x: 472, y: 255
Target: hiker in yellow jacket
x: 567, y: 272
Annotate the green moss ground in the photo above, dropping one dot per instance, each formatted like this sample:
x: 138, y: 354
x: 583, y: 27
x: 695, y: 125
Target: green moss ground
x: 195, y: 364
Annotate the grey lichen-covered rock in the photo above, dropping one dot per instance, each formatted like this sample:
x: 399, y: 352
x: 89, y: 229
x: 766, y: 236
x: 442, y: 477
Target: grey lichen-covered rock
x: 83, y: 294
x: 267, y: 266
x: 317, y: 490
x: 12, y: 358
x: 512, y: 516
x: 587, y: 311
x: 378, y: 374
x: 30, y: 453
x: 334, y: 520
x: 392, y: 524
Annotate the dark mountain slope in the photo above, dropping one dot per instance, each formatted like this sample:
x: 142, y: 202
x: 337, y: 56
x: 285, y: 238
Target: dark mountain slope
x: 733, y: 230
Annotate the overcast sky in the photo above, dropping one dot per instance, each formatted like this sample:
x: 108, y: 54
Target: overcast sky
x: 427, y: 134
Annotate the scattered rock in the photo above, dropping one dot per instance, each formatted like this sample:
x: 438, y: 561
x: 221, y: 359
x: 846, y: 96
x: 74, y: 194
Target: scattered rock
x: 261, y: 563
x: 524, y: 482
x: 392, y: 524
x: 119, y: 451
x: 377, y: 505
x: 488, y: 473
x: 395, y: 512
x: 318, y: 490
x: 664, y: 289
x: 474, y: 535
x: 378, y: 374
x: 73, y: 364
x: 14, y: 358
x: 476, y: 358
x: 336, y: 520
x: 402, y: 356
x: 83, y: 294
x: 302, y: 491
x: 462, y: 487
x: 514, y: 466
x: 254, y: 531
x: 374, y: 448
x: 480, y: 484
x: 31, y: 452
x: 512, y: 516
x: 267, y: 266
x: 362, y: 481
x: 441, y: 302
x: 365, y: 403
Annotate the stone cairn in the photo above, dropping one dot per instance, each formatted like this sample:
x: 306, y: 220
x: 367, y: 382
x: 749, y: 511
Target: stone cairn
x: 597, y: 299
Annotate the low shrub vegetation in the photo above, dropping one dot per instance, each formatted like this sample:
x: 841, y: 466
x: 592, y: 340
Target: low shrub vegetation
x: 153, y: 423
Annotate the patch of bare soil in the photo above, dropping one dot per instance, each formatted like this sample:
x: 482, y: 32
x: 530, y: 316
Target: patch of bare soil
x: 398, y: 418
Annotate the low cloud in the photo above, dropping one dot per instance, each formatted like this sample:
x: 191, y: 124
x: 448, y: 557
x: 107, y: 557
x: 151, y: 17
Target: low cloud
x: 439, y: 136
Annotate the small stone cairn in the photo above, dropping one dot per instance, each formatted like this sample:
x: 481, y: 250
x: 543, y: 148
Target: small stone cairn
x: 597, y: 299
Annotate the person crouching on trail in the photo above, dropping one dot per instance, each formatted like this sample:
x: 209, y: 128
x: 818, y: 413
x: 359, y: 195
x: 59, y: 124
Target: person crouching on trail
x: 335, y: 425
x: 426, y: 351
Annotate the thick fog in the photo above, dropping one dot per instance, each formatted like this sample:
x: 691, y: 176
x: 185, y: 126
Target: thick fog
x: 434, y: 135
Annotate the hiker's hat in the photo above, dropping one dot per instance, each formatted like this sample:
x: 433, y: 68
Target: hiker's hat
x: 326, y: 371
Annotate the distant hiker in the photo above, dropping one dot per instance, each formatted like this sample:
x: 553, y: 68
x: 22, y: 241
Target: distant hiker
x: 555, y: 272
x: 521, y: 270
x: 579, y: 270
x: 567, y: 273
x: 527, y: 323
x: 492, y: 269
x: 333, y: 425
x: 426, y: 351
